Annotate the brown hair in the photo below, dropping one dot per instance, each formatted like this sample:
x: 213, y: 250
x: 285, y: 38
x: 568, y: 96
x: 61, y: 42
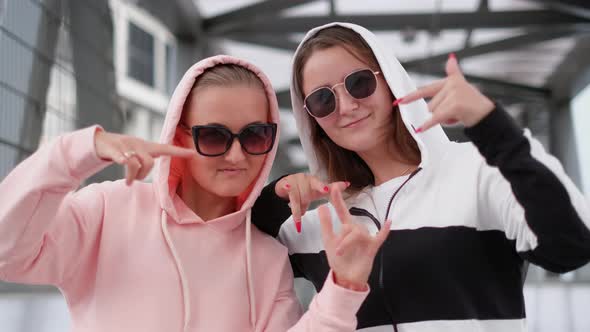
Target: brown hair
x: 224, y: 75
x: 342, y: 164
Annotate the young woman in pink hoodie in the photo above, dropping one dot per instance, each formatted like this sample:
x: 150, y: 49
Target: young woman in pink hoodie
x: 178, y: 254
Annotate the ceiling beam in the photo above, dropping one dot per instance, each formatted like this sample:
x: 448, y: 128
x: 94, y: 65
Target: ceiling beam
x: 232, y: 20
x: 501, y: 86
x: 579, y: 8
x: 448, y: 20
x: 572, y: 74
x: 513, y: 42
x: 283, y: 43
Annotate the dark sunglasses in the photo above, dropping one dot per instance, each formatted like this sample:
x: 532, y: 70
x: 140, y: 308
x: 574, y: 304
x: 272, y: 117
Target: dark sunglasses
x: 216, y: 140
x: 359, y: 84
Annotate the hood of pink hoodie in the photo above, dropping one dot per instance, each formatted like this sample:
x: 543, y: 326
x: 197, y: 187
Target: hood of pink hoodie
x: 167, y: 179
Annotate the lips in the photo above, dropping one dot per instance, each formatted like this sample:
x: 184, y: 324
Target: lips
x: 355, y: 123
x: 231, y: 170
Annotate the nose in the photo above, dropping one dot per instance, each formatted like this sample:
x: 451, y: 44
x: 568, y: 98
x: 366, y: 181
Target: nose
x: 235, y: 153
x: 346, y: 103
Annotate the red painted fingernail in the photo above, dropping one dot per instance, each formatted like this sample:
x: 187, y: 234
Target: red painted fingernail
x: 298, y: 226
x: 452, y: 56
x: 326, y: 189
x: 397, y: 101
x: 419, y: 130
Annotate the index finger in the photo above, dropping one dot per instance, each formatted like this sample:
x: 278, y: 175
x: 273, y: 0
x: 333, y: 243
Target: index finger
x: 423, y: 92
x: 341, y: 210
x: 295, y: 204
x: 158, y: 150
x: 326, y: 224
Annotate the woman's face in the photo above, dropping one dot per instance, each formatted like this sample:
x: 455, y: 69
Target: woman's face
x: 234, y: 107
x: 356, y: 125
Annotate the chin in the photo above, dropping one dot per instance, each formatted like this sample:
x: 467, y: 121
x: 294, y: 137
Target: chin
x: 357, y: 144
x: 230, y: 188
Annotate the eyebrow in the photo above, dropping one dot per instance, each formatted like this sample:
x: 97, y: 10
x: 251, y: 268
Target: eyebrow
x: 222, y: 125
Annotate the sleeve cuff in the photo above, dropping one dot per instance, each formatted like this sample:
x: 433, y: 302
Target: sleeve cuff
x: 80, y: 153
x: 339, y: 301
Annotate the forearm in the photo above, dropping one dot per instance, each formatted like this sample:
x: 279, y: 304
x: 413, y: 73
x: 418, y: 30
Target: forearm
x: 545, y: 193
x: 34, y: 193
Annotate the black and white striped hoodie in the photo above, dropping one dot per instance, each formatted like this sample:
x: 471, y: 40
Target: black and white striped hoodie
x: 465, y: 224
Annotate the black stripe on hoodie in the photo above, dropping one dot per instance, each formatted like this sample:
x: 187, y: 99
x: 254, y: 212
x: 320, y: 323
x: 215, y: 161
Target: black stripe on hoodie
x: 433, y: 273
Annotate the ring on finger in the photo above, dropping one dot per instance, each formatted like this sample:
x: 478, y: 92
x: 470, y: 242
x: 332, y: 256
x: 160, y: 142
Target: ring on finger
x: 129, y: 154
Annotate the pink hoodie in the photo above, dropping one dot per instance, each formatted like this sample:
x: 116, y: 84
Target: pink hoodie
x: 138, y: 259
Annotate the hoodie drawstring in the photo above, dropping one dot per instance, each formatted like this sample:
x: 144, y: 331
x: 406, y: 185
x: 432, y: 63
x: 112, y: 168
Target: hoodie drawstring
x: 185, y: 291
x: 249, y: 275
x: 183, y: 281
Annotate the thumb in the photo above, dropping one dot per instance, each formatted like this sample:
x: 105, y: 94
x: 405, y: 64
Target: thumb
x: 452, y: 66
x: 339, y: 185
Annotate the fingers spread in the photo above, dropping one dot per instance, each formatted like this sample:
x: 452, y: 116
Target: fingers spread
x: 356, y: 237
x: 426, y: 91
x: 341, y: 210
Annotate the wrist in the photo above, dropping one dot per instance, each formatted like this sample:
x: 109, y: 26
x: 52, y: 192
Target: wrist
x: 476, y: 117
x: 356, y: 286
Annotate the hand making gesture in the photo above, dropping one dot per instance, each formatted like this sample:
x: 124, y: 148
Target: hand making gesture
x: 301, y: 190
x: 134, y: 153
x: 453, y: 99
x: 352, y: 251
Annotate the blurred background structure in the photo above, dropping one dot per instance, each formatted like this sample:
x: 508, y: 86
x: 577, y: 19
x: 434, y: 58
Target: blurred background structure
x: 66, y: 64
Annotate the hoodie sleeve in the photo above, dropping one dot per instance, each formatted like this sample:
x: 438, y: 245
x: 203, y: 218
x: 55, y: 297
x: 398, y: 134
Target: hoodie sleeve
x: 527, y: 190
x: 45, y: 228
x: 270, y: 211
x: 333, y: 309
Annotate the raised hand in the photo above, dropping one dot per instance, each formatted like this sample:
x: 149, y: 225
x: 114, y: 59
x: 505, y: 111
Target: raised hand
x: 134, y: 153
x: 352, y: 251
x: 301, y: 190
x: 453, y: 99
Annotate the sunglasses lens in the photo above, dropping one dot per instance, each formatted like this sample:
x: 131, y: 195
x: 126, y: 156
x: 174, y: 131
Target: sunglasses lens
x: 213, y: 141
x: 361, y: 84
x: 257, y: 139
x: 321, y: 102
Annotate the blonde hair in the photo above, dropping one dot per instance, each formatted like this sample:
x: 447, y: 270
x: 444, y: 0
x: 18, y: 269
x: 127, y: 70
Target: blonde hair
x: 224, y: 75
